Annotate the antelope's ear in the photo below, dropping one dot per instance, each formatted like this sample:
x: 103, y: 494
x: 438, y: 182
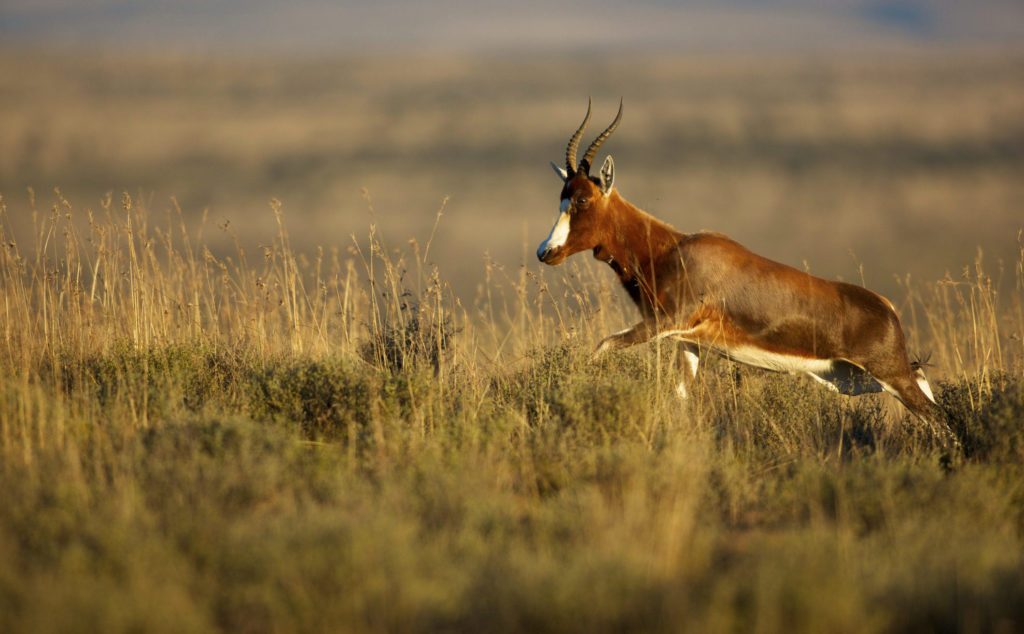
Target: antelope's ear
x: 561, y: 171
x: 607, y: 175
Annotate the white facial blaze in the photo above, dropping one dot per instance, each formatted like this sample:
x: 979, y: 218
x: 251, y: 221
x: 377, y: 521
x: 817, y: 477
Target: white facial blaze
x: 923, y: 384
x: 560, y: 232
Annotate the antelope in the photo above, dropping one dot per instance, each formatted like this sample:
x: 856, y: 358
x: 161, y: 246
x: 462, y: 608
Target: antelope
x: 711, y: 293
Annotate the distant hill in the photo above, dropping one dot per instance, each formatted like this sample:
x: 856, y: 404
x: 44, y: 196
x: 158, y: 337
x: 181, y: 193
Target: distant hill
x: 318, y: 26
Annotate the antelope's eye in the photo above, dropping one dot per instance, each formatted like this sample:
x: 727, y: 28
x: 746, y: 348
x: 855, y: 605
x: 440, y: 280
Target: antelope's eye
x: 582, y: 201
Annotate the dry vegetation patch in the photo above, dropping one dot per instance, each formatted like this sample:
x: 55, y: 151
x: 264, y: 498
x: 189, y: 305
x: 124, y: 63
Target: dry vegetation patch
x: 308, y: 441
x: 213, y: 418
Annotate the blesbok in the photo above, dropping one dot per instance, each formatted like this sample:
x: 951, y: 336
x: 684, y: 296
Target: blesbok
x: 712, y: 293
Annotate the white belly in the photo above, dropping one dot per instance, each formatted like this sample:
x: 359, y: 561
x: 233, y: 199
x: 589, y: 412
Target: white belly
x: 837, y: 374
x: 777, y: 362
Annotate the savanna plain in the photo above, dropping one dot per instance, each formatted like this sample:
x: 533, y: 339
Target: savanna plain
x: 276, y: 356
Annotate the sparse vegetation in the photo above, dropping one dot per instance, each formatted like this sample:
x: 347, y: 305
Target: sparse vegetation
x: 216, y: 416
x: 336, y: 443
x: 901, y: 164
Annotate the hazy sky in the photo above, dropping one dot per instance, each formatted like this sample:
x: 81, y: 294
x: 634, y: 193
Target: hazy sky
x: 511, y: 26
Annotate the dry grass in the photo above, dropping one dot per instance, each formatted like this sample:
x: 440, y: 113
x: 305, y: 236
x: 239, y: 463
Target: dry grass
x: 212, y: 426
x: 294, y: 442
x: 909, y: 164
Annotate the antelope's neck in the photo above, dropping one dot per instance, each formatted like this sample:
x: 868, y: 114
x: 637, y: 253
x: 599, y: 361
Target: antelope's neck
x: 632, y: 243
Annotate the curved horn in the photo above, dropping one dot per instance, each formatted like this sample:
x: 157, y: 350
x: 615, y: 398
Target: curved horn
x: 570, y: 150
x: 592, y: 150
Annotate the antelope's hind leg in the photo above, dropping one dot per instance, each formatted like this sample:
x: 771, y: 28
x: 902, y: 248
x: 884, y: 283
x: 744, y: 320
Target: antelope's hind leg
x: 687, y: 361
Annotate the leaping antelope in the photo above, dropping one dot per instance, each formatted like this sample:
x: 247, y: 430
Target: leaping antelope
x: 710, y: 292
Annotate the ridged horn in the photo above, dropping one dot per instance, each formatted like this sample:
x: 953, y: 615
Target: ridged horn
x: 588, y: 158
x: 570, y: 150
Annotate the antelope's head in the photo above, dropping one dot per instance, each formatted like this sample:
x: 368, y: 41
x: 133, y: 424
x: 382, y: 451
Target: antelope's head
x: 582, y: 212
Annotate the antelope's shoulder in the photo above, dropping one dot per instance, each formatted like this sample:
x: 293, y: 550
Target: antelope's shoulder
x: 710, y: 245
x: 723, y: 251
x: 708, y: 240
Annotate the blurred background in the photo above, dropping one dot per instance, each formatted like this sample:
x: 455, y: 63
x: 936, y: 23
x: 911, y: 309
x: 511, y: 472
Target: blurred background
x: 865, y: 141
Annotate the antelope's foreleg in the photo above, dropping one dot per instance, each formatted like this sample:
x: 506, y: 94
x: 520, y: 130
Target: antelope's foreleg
x: 638, y: 333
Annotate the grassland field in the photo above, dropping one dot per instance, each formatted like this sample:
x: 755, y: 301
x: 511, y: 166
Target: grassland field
x: 237, y: 393
x: 902, y: 165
